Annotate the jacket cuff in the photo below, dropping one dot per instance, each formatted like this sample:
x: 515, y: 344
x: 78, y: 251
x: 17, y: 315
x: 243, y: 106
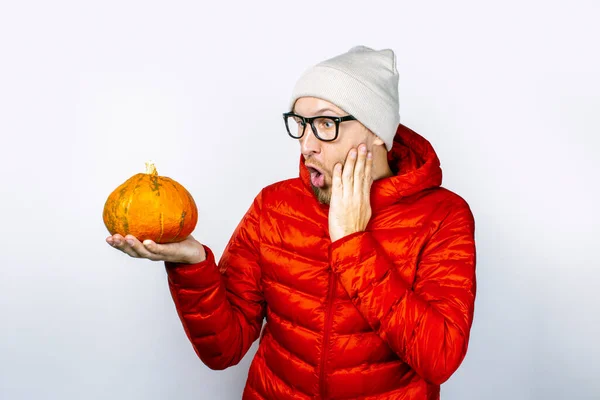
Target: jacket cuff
x: 360, y: 265
x: 350, y: 250
x: 202, y: 274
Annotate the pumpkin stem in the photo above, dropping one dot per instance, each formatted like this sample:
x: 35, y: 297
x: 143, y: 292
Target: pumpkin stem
x: 150, y: 168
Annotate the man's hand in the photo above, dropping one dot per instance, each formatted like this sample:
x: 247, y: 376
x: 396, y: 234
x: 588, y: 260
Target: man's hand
x: 188, y: 251
x: 350, y: 206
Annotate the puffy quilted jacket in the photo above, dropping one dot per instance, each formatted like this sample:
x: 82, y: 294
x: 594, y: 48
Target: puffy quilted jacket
x: 380, y: 314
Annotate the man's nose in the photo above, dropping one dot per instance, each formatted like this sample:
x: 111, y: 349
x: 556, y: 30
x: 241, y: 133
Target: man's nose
x: 309, y: 144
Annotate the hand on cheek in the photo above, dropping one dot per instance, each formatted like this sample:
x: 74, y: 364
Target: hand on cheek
x: 350, y: 208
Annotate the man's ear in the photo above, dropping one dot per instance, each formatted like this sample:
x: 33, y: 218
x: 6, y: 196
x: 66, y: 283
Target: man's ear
x: 378, y: 142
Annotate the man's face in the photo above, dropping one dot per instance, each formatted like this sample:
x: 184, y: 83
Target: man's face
x: 320, y: 157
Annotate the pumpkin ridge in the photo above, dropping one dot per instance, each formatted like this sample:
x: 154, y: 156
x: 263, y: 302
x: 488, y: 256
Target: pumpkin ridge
x: 126, y: 210
x: 162, y: 226
x: 181, y: 224
x: 183, y: 213
x: 162, y: 212
x: 116, y: 203
x: 155, y: 184
x: 108, y: 217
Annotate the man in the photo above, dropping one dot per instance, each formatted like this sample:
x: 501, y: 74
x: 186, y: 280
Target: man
x: 363, y: 266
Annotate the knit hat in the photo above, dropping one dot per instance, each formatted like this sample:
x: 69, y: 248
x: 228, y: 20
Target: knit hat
x: 363, y: 82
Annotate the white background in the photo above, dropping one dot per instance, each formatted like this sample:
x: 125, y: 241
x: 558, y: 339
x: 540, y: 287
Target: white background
x: 507, y: 92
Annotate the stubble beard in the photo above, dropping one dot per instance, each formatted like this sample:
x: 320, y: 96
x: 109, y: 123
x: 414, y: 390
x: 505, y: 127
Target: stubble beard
x: 323, y: 194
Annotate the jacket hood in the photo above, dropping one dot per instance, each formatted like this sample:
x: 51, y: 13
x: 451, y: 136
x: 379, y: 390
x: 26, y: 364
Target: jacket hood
x: 414, y: 163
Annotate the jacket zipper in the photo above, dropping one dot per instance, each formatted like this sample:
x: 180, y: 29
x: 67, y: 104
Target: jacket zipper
x: 328, y: 321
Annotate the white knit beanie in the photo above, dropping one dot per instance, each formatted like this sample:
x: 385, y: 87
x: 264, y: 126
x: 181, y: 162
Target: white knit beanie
x: 363, y: 82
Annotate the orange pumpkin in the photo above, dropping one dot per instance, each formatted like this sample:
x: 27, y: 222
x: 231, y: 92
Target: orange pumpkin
x: 149, y: 206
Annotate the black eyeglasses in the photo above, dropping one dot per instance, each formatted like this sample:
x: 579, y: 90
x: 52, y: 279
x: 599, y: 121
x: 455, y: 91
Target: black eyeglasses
x: 325, y: 128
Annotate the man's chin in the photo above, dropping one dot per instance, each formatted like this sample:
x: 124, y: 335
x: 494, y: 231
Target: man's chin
x: 323, y: 194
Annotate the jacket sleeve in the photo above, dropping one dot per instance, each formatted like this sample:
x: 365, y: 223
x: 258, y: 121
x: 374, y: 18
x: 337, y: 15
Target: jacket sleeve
x: 221, y: 306
x: 426, y: 322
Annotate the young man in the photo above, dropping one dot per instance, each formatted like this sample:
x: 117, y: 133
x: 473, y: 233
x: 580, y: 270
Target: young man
x: 363, y: 266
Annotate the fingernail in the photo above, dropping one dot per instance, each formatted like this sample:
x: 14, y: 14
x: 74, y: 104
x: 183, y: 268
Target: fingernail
x: 130, y: 242
x: 353, y: 153
x: 363, y: 149
x: 370, y: 155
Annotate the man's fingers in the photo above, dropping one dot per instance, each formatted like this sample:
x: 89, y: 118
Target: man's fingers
x: 368, y: 180
x: 336, y: 184
x: 131, y: 246
x: 149, y: 249
x: 135, y: 248
x: 348, y: 172
x: 154, y: 250
x: 359, y: 170
x: 125, y: 244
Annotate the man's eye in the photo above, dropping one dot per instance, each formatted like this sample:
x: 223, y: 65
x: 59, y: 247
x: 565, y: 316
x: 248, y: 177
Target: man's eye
x: 326, y: 124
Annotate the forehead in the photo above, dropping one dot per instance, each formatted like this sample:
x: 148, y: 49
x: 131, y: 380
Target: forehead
x: 308, y: 106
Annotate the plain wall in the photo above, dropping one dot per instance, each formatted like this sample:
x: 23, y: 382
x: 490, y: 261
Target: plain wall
x: 507, y: 93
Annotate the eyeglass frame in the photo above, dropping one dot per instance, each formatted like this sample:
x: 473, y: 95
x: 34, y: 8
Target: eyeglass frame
x: 310, y: 120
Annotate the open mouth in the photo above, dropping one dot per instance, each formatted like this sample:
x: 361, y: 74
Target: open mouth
x: 317, y: 177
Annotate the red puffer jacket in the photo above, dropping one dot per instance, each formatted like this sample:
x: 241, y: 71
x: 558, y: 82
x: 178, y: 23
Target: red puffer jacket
x: 380, y: 314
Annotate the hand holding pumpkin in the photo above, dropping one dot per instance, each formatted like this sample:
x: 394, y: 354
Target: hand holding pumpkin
x: 188, y: 251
